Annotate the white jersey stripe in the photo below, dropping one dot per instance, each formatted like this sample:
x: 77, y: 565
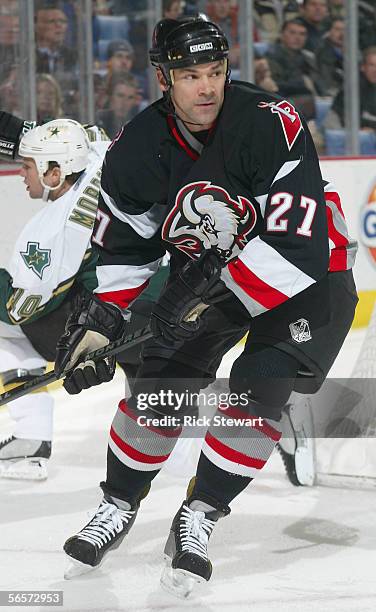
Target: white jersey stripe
x: 286, y: 169
x: 253, y: 307
x: 338, y: 221
x: 146, y: 224
x: 262, y: 199
x: 273, y: 269
x: 118, y: 278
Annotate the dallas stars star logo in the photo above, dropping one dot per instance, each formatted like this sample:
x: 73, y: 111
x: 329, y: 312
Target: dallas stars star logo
x: 35, y: 258
x: 54, y: 131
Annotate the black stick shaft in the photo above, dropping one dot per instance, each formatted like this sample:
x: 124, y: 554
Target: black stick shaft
x: 124, y: 343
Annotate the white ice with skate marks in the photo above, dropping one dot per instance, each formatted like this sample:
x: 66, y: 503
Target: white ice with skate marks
x: 282, y: 548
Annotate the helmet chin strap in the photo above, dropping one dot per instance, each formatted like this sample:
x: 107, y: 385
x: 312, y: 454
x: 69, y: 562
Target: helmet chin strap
x: 47, y: 188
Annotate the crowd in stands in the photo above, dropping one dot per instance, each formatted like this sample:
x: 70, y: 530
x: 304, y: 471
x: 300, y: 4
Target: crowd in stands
x: 298, y: 48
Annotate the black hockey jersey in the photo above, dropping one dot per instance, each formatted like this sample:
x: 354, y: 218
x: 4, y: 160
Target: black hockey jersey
x: 253, y: 191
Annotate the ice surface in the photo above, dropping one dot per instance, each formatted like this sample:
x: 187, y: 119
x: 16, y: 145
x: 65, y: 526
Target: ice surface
x: 282, y: 548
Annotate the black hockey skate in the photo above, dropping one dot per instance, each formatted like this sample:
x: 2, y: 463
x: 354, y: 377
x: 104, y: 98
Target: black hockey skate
x: 106, y: 530
x: 24, y: 459
x: 186, y: 550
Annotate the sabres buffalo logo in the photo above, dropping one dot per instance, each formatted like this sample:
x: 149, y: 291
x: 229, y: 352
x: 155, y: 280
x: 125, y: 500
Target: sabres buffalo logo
x: 205, y: 216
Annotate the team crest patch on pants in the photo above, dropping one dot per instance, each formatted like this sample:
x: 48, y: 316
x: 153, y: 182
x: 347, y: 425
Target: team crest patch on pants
x: 300, y: 331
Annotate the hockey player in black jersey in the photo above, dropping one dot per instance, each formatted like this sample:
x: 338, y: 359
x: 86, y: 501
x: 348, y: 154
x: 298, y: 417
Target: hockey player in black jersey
x: 226, y: 178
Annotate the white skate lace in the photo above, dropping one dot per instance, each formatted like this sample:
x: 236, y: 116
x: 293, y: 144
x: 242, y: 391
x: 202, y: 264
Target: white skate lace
x: 107, y: 522
x: 195, y: 530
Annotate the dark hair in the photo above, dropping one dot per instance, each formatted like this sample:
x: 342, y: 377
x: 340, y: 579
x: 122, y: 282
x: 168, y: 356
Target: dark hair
x: 167, y: 4
x: 305, y: 2
x: 367, y: 52
x: 295, y: 21
x: 122, y: 78
x: 70, y: 178
x: 49, y: 5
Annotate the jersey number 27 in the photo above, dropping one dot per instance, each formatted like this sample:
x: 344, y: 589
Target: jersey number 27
x: 276, y: 222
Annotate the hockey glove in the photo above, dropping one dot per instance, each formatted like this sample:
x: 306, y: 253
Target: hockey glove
x: 92, y: 325
x: 12, y: 129
x: 176, y: 316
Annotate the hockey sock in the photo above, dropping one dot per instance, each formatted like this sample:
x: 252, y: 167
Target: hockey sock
x: 136, y: 452
x: 232, y: 455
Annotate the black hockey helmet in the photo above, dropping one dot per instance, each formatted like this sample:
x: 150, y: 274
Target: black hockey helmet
x: 178, y: 43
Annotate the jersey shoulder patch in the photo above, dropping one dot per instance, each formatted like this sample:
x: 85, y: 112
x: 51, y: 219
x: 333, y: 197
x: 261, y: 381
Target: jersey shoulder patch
x: 289, y: 118
x: 36, y: 258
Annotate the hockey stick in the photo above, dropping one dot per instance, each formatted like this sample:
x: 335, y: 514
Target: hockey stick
x: 125, y: 342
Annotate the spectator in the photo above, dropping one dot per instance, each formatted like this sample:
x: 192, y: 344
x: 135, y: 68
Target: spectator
x: 314, y: 14
x: 120, y: 54
x: 263, y: 75
x: 367, y: 86
x: 329, y: 58
x: 53, y: 56
x: 124, y: 104
x: 49, y: 102
x: 293, y: 67
x: 367, y: 24
x: 172, y: 9
x: 100, y: 90
x: 101, y: 7
x: 336, y: 9
x: 270, y: 15
x: 10, y: 90
x: 226, y: 16
x: 9, y: 35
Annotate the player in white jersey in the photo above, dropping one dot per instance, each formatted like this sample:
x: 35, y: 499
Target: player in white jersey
x: 52, y: 262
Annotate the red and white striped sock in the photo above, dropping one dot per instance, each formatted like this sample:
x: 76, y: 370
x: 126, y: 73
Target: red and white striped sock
x: 233, y: 453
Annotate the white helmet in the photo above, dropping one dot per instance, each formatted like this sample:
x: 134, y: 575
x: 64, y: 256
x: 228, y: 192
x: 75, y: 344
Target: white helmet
x: 63, y: 141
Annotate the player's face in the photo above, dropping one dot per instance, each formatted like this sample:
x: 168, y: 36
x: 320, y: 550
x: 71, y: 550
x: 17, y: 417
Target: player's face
x: 197, y: 94
x: 31, y: 178
x: 33, y: 183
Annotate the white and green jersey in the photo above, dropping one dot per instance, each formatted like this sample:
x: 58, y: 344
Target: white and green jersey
x: 53, y: 250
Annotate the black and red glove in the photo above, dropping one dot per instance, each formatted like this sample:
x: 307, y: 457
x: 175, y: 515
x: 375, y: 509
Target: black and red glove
x: 177, y: 314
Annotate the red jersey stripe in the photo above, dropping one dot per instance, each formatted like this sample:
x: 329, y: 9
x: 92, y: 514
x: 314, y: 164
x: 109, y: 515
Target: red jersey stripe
x: 338, y: 259
x: 123, y: 297
x: 192, y: 154
x: 253, y: 286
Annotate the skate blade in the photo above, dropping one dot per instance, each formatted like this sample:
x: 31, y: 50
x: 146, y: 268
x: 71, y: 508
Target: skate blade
x: 24, y: 469
x: 305, y: 464
x: 178, y: 582
x: 76, y: 568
